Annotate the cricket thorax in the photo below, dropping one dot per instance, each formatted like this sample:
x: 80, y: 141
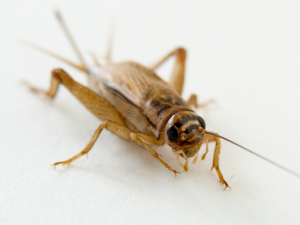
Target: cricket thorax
x: 183, y: 133
x: 158, y: 110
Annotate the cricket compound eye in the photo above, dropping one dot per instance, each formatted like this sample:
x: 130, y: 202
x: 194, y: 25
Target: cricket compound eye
x: 172, y: 134
x: 202, y: 122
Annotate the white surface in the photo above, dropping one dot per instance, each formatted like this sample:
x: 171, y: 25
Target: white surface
x: 246, y: 55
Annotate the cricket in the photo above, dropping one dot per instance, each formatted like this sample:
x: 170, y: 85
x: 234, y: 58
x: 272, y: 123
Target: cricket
x: 135, y: 104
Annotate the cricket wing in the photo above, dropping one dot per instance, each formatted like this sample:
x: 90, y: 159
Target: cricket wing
x: 134, y: 117
x: 138, y: 83
x: 131, y: 88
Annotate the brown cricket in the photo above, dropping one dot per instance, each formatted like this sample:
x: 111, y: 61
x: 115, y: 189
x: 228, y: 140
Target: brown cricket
x: 135, y: 104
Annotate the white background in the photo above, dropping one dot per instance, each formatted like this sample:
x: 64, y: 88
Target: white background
x: 243, y: 54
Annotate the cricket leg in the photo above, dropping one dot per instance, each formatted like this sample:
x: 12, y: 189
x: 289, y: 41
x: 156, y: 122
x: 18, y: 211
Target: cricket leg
x: 124, y: 133
x: 193, y: 101
x: 177, y: 77
x: 142, y: 139
x: 206, y: 149
x: 119, y: 130
x: 97, y: 105
x: 87, y: 147
x: 216, y: 159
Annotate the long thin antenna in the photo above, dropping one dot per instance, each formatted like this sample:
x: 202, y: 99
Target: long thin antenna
x: 262, y: 157
x: 70, y: 38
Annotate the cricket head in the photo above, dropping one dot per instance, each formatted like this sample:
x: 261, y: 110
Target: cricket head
x: 184, y: 133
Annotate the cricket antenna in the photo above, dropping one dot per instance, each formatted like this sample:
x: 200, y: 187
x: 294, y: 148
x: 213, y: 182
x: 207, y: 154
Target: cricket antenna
x: 70, y: 38
x: 264, y: 158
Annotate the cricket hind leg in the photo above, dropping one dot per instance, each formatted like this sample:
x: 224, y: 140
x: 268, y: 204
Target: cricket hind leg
x: 178, y: 74
x: 216, y: 159
x: 124, y: 133
x: 96, y: 104
x: 177, y: 77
